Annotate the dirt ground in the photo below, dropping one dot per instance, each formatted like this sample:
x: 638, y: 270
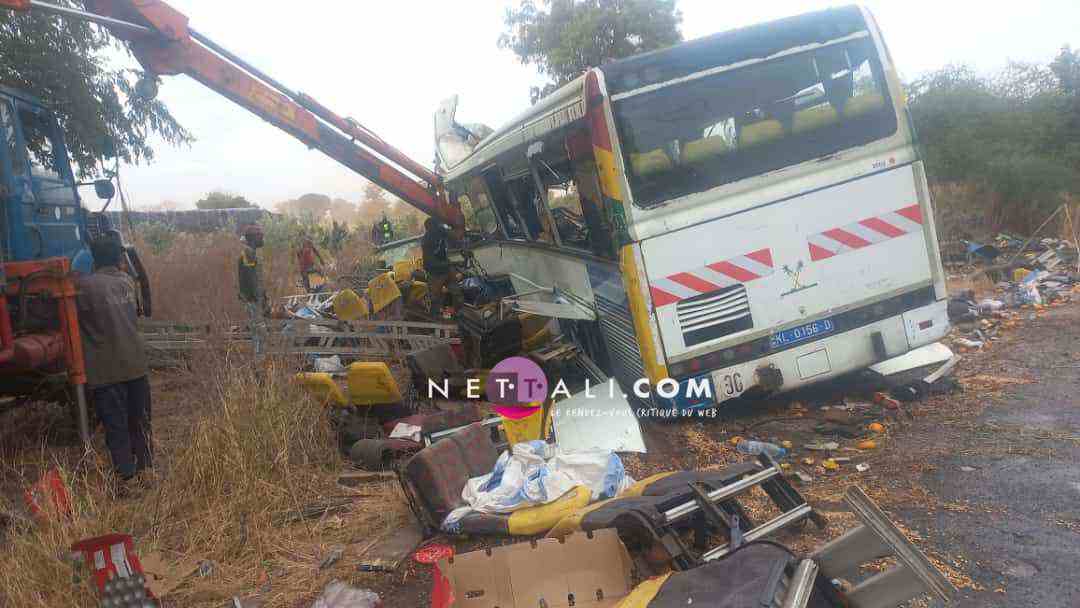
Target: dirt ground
x: 982, y: 479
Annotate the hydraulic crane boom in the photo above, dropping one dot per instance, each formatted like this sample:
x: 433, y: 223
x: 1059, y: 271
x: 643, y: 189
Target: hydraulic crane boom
x: 164, y: 44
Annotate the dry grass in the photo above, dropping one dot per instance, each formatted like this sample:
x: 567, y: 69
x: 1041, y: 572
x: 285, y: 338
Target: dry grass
x: 247, y: 456
x: 194, y: 279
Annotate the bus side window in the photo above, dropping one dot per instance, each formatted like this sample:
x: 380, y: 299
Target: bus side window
x: 586, y: 179
x: 523, y: 198
x: 569, y: 219
x: 485, y: 219
x: 503, y: 204
x: 587, y: 183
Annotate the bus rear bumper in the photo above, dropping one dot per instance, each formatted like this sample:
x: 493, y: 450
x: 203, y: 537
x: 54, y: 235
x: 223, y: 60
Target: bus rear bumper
x: 821, y: 360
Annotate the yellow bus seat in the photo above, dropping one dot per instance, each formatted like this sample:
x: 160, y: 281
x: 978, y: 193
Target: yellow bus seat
x: 403, y: 269
x: 650, y: 162
x: 520, y: 430
x: 371, y: 383
x: 417, y: 291
x: 540, y: 519
x: 761, y: 132
x: 812, y: 119
x: 322, y: 387
x: 863, y: 104
x: 705, y: 149
x: 350, y: 306
x: 383, y: 291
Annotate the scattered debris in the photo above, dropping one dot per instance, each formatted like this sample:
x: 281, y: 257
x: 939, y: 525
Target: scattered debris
x: 593, y: 569
x: 353, y: 478
x: 163, y: 577
x: 332, y: 558
x: 206, y: 568
x: 967, y: 469
x: 868, y: 444
x: 392, y: 549
x: 753, y: 448
x: 862, y: 467
x: 341, y: 595
x: 49, y: 496
x: 432, y: 553
x: 826, y: 446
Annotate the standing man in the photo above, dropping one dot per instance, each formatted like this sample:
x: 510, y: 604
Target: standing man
x: 115, y: 356
x: 383, y: 231
x: 305, y: 258
x: 436, y: 261
x: 249, y: 280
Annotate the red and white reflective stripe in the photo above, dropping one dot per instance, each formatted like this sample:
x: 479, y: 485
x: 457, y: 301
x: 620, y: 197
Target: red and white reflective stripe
x: 864, y: 233
x: 690, y: 283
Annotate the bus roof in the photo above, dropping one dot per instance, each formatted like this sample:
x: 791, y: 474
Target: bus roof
x: 724, y: 48
x: 522, y: 130
x: 734, y: 46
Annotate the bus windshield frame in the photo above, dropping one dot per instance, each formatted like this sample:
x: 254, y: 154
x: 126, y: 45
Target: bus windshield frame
x: 724, y: 125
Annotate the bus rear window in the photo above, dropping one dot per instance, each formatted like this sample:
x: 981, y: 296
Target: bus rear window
x: 700, y: 133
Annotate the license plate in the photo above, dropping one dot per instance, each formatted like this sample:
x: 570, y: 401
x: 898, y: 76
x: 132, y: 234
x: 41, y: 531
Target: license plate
x: 802, y: 333
x: 730, y: 383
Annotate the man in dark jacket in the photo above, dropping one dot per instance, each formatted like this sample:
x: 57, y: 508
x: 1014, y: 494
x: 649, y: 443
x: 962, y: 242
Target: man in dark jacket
x: 115, y: 356
x: 437, y: 262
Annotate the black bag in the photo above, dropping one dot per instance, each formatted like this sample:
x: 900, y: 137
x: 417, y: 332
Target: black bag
x: 753, y: 576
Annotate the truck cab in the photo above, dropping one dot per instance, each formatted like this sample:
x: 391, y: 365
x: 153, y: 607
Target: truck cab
x: 41, y: 215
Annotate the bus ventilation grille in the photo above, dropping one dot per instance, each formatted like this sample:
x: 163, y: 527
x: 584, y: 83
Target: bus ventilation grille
x: 714, y: 315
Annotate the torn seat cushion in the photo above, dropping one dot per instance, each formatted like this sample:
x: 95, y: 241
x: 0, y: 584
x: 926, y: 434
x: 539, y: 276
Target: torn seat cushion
x: 754, y: 575
x: 438, y: 473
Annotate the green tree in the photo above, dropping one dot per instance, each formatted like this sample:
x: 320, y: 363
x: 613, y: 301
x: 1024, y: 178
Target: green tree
x: 219, y: 199
x: 69, y: 65
x: 563, y: 38
x: 1005, y: 133
x: 310, y: 208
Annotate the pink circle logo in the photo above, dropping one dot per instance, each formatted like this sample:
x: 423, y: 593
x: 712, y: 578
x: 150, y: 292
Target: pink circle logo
x: 516, y: 387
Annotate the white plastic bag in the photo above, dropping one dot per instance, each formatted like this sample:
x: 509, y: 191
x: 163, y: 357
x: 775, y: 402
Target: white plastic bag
x: 340, y: 595
x: 535, y: 473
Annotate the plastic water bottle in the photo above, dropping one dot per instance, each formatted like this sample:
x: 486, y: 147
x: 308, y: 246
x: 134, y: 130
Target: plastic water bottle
x: 760, y: 447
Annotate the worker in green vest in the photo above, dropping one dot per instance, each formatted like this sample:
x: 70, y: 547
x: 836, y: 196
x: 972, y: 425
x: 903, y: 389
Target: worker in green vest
x: 383, y: 232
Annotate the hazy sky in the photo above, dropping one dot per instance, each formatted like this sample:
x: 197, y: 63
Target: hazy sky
x: 388, y: 64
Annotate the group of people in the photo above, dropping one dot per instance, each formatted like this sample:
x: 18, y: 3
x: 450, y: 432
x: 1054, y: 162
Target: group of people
x: 115, y: 355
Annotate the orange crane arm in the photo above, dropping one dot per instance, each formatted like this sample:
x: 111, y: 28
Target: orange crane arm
x: 164, y: 44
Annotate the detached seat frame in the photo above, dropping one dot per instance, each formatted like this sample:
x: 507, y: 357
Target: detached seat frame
x: 716, y: 508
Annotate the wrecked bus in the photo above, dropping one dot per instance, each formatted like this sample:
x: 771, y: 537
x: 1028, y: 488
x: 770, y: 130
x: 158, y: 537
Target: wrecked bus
x: 746, y: 211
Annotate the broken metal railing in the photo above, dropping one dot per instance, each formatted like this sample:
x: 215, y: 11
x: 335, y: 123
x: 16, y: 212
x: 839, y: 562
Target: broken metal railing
x: 169, y: 339
x: 359, y: 338
x: 310, y: 300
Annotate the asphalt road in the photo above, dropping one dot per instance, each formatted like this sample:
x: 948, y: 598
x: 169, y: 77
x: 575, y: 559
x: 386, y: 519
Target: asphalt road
x: 1014, y: 476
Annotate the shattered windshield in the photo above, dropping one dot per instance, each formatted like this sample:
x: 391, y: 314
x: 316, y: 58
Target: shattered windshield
x: 704, y: 132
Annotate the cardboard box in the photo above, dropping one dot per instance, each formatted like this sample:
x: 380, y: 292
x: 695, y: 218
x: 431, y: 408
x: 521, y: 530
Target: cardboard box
x: 584, y: 570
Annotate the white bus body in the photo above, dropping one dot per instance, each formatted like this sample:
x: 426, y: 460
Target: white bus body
x: 769, y: 214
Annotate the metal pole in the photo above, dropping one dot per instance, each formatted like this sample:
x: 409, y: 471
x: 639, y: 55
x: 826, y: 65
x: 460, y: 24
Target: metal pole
x: 84, y: 413
x: 93, y: 17
x: 220, y: 50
